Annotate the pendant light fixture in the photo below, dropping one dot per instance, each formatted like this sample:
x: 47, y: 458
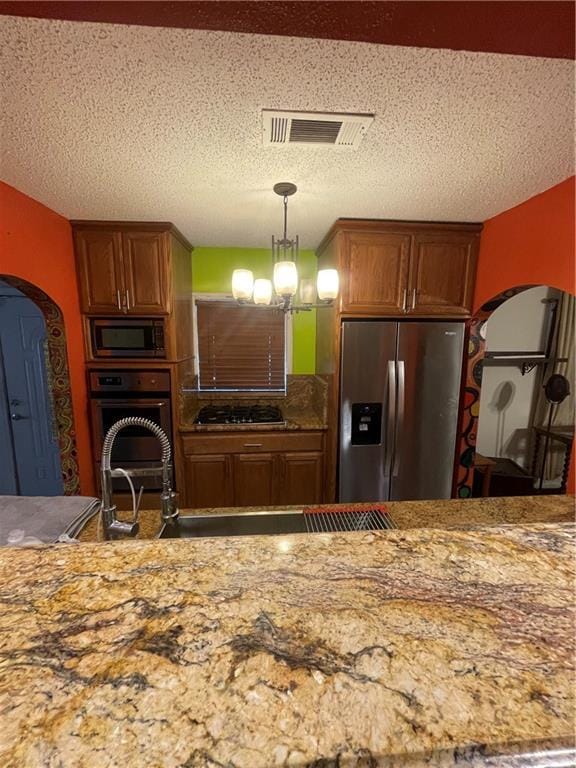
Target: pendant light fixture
x: 279, y: 292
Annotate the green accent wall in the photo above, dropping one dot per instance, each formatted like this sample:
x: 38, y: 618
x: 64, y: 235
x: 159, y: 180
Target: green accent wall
x: 212, y: 273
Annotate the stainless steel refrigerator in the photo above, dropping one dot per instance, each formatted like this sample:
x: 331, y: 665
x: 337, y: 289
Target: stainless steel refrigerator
x: 399, y: 397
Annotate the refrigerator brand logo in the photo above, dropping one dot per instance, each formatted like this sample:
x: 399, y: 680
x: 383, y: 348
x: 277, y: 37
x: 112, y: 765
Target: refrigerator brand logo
x: 449, y: 333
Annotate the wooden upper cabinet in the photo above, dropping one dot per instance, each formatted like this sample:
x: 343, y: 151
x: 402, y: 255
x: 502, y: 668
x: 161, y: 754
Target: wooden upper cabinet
x: 401, y: 268
x: 132, y: 268
x: 442, y: 274
x: 146, y: 265
x: 100, y: 270
x: 375, y: 273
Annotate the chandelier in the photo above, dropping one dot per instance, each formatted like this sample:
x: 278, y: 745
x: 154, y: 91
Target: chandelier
x: 279, y: 292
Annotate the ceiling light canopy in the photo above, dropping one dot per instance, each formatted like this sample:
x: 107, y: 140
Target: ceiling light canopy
x: 285, y: 252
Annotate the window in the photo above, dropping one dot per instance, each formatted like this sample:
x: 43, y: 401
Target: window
x: 240, y: 347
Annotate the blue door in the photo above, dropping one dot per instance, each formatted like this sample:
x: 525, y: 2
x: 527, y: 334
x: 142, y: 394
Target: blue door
x: 29, y: 450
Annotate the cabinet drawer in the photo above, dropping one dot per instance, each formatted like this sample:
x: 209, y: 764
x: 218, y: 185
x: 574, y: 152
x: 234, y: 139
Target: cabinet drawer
x: 252, y: 442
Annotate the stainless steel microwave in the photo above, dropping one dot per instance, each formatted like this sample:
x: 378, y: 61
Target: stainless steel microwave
x: 123, y: 337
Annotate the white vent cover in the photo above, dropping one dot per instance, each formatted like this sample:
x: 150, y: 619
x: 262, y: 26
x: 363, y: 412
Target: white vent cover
x: 344, y: 131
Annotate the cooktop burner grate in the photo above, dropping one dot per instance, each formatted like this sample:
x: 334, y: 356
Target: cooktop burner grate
x: 239, y: 414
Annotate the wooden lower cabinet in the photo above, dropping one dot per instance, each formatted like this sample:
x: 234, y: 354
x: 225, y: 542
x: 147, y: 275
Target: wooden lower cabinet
x: 208, y: 481
x: 254, y: 479
x: 301, y: 478
x: 221, y: 472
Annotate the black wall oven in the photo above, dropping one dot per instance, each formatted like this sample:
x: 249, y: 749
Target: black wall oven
x: 127, y: 337
x: 115, y: 395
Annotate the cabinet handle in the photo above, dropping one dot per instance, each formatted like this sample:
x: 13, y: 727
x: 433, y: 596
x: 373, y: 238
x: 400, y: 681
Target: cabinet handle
x: 252, y: 445
x: 405, y: 296
x: 127, y: 299
x: 413, y: 298
x: 118, y: 299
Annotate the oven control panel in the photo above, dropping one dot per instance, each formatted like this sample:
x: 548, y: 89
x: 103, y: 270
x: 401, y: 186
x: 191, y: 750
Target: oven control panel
x: 123, y: 382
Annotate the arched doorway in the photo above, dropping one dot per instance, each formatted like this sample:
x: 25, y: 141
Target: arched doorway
x: 473, y: 389
x: 58, y: 379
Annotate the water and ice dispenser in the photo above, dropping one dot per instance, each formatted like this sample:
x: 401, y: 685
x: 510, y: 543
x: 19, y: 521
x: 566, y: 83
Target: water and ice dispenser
x: 366, y: 423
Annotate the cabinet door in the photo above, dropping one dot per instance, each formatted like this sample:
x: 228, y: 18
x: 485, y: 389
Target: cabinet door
x: 301, y: 478
x: 376, y: 273
x: 146, y: 272
x: 99, y: 268
x: 254, y: 479
x: 208, y: 481
x: 442, y: 274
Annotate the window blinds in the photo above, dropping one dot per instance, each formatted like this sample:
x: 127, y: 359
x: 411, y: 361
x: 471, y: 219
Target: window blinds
x: 240, y: 347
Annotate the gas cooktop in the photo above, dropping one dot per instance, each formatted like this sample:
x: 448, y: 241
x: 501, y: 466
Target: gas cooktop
x: 239, y: 414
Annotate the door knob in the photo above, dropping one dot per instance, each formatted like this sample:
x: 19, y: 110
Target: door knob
x: 16, y: 416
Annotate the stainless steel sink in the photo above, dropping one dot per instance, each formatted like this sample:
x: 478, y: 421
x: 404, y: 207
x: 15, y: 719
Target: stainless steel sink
x: 253, y: 523
x: 275, y: 523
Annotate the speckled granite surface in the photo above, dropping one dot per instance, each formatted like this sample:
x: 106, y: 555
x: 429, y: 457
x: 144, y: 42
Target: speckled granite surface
x: 511, y: 510
x: 304, y: 407
x: 453, y: 513
x: 408, y: 648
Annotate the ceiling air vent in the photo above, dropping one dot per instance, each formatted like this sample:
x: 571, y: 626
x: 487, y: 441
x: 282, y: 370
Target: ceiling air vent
x: 331, y: 130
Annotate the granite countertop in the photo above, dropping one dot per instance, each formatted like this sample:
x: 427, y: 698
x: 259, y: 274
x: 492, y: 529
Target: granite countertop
x: 303, y: 406
x: 405, y: 648
x: 452, y: 513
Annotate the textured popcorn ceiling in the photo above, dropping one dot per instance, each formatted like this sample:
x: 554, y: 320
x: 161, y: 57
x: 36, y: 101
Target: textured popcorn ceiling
x: 106, y: 121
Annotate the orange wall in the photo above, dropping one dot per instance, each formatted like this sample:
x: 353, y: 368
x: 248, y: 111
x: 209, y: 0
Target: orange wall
x: 531, y: 244
x: 36, y: 245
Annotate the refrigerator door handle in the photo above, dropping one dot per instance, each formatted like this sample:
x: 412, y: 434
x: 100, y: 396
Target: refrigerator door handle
x: 390, y: 431
x: 400, y: 420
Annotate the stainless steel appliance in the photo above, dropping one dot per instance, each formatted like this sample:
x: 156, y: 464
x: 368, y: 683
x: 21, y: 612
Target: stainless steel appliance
x: 239, y: 414
x: 399, y: 398
x: 121, y: 394
x: 127, y: 337
x: 279, y: 523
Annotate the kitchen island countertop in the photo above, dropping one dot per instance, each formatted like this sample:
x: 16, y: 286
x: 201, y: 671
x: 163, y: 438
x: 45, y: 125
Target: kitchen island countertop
x: 403, y: 648
x: 449, y: 513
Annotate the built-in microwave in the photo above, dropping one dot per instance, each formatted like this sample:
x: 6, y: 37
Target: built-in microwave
x: 123, y: 337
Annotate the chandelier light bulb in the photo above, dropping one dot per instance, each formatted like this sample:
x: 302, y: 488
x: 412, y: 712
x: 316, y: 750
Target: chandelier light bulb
x: 262, y: 291
x: 285, y: 278
x: 284, y: 281
x: 242, y: 284
x: 328, y: 284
